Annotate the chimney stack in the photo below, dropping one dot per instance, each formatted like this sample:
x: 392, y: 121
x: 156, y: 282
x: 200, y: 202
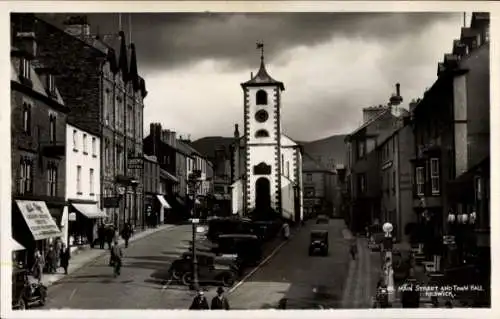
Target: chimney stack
x: 77, y: 26
x: 236, y: 131
x: 251, y: 75
x: 26, y: 41
x: 398, y: 86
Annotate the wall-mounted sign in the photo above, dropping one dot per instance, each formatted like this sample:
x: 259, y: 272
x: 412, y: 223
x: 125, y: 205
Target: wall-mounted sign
x: 386, y: 165
x: 135, y: 163
x: 111, y: 202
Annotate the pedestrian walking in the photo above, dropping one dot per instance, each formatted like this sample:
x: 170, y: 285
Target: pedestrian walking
x: 58, y: 246
x: 116, y: 258
x: 110, y: 233
x: 286, y: 230
x: 282, y: 304
x: 65, y: 257
x: 38, y: 264
x: 354, y: 249
x: 51, y: 260
x: 127, y: 232
x: 101, y: 235
x: 219, y: 302
x: 199, y: 302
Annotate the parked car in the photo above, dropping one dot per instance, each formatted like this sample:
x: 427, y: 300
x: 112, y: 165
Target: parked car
x: 322, y: 220
x: 204, y: 259
x: 266, y: 230
x: 26, y: 290
x: 213, y: 272
x: 318, y: 242
x: 247, y: 247
x: 228, y: 225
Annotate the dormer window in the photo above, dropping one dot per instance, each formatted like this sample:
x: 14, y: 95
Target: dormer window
x: 25, y: 68
x: 51, y: 84
x: 261, y: 97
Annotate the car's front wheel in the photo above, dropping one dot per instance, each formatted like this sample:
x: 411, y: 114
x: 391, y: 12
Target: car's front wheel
x: 228, y: 279
x: 187, y: 279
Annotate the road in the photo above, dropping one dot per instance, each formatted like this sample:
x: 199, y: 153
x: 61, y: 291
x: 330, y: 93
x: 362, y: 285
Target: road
x: 307, y: 282
x: 140, y: 285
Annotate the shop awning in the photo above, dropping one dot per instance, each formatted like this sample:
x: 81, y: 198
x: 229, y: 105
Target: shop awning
x: 163, y: 201
x: 171, y: 177
x: 38, y: 218
x: 89, y: 210
x: 15, y: 245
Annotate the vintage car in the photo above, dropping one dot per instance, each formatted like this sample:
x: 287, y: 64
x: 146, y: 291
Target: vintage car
x: 205, y: 259
x: 266, y: 230
x: 26, y: 290
x: 322, y: 220
x: 247, y: 247
x: 212, y: 272
x: 228, y: 225
x: 318, y: 242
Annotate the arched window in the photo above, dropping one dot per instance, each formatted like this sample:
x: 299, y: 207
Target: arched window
x: 261, y: 133
x: 261, y: 97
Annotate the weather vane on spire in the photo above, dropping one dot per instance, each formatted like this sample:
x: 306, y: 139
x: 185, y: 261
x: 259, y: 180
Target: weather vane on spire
x: 260, y: 45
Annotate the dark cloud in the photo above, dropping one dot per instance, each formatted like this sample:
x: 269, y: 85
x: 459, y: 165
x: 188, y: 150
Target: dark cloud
x: 173, y: 40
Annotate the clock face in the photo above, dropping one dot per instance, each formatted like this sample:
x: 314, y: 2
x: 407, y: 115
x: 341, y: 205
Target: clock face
x: 261, y: 116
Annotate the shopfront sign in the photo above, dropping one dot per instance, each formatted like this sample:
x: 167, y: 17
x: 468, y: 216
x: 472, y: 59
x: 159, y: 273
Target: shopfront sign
x: 38, y: 218
x: 111, y: 202
x: 135, y: 163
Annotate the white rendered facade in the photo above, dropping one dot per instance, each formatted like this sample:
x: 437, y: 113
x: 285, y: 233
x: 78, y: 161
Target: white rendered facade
x: 267, y: 163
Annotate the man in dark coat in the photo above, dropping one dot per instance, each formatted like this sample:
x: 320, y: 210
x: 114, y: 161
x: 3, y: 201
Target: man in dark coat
x: 65, y: 257
x: 199, y: 302
x: 101, y: 235
x: 126, y: 232
x: 220, y: 302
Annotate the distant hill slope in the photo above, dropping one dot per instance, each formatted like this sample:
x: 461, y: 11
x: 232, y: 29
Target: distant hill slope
x: 327, y: 151
x: 207, y: 145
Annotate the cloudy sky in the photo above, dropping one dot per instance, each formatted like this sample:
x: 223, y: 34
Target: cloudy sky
x: 332, y: 64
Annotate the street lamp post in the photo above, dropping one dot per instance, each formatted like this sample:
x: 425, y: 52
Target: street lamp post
x: 389, y: 274
x: 194, y: 183
x: 134, y: 184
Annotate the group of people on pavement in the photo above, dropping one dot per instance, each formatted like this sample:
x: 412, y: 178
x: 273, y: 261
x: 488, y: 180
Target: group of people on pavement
x: 57, y: 256
x: 219, y: 302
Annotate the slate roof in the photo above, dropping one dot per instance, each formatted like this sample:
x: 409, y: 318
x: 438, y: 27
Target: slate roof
x: 263, y: 78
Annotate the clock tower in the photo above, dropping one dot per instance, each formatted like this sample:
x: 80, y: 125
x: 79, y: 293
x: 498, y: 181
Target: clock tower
x: 262, y: 141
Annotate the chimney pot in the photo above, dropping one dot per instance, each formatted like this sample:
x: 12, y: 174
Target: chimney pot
x: 251, y: 75
x: 398, y: 86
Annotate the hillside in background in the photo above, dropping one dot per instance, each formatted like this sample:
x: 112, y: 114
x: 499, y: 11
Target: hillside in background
x: 328, y: 151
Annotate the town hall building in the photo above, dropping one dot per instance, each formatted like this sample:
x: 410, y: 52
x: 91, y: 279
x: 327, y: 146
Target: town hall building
x: 266, y: 164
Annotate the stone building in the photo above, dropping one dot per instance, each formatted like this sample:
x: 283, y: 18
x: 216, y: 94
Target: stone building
x: 267, y: 178
x: 319, y: 187
x: 38, y: 139
x: 105, y: 95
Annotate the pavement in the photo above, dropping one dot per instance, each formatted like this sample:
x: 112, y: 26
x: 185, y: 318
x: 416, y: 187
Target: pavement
x: 81, y: 257
x: 364, y: 272
x: 308, y: 282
